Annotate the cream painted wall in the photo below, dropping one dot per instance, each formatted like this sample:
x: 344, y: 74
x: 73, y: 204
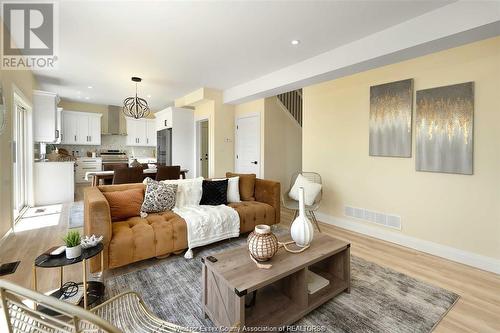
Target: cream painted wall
x: 283, y: 144
x: 254, y: 107
x: 280, y: 138
x: 207, y: 103
x: 453, y: 210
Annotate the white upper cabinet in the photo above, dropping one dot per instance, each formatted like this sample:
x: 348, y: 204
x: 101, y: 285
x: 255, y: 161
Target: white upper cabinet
x: 163, y: 119
x: 45, y: 116
x: 59, y: 125
x: 81, y: 128
x: 141, y: 132
x: 151, y: 132
x: 94, y: 130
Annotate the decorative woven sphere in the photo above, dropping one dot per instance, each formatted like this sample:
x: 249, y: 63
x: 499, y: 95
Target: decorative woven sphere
x: 262, y: 243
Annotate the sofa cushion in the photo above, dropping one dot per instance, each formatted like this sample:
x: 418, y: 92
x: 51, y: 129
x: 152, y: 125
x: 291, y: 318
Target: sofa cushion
x: 214, y: 192
x: 247, y: 185
x: 311, y: 190
x: 233, y: 189
x: 139, y: 238
x: 189, y: 191
x: 124, y: 204
x: 252, y: 213
x: 159, y: 197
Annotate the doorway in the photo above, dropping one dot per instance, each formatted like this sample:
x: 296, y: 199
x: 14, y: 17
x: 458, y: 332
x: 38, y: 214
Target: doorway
x: 21, y: 166
x: 247, y: 144
x: 202, y: 148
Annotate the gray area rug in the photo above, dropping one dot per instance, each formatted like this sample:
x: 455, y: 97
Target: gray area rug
x: 381, y: 299
x: 76, y: 215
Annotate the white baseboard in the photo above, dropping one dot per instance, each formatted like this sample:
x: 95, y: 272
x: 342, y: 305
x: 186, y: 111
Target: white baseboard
x: 467, y: 258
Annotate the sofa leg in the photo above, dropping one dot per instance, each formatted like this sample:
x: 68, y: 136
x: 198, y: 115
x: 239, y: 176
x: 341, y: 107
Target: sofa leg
x: 164, y: 256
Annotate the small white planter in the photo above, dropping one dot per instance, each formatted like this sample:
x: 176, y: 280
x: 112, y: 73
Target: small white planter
x: 74, y: 252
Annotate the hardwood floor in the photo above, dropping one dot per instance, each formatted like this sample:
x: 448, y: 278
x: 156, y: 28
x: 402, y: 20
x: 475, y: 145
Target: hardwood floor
x: 477, y: 310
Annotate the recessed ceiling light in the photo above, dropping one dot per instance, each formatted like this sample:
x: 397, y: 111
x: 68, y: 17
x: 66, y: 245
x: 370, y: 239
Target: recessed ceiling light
x: 295, y: 42
x: 87, y: 97
x: 148, y: 96
x: 90, y: 87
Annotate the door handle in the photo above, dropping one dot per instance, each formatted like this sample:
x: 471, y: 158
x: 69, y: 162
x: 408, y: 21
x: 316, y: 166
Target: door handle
x: 165, y: 122
x: 254, y: 162
x: 57, y: 134
x: 75, y: 138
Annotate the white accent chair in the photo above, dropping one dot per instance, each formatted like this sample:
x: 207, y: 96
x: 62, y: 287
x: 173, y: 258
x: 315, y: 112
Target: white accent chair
x: 294, y: 204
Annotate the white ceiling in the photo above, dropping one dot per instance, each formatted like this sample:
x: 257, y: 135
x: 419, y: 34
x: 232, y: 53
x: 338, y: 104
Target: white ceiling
x: 177, y: 47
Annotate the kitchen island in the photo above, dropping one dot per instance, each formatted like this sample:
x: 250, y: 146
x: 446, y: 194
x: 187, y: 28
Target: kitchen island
x: 98, y: 175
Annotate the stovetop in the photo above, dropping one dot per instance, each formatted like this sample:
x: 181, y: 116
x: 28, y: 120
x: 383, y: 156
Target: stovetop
x: 113, y: 155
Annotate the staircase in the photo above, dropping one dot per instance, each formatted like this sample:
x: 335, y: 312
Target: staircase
x: 292, y: 102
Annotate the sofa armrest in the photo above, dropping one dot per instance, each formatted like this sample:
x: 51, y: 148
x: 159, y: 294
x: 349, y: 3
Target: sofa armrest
x: 97, y: 221
x: 268, y: 191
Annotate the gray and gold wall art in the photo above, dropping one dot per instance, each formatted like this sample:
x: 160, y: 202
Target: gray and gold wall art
x: 390, y: 119
x: 444, y: 129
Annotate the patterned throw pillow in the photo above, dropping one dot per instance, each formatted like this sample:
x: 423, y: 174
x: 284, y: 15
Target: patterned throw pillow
x: 158, y: 197
x: 214, y: 192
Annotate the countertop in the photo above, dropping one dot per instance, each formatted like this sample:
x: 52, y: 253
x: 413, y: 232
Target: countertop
x: 47, y: 161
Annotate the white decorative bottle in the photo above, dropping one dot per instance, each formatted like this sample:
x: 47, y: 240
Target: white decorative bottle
x: 302, y: 230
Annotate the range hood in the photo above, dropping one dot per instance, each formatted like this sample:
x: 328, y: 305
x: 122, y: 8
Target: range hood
x: 114, y: 121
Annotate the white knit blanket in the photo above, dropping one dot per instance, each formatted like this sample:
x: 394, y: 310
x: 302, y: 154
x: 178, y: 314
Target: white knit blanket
x: 208, y: 224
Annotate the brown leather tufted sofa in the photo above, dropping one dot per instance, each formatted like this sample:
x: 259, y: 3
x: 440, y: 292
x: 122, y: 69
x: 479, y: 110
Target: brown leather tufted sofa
x: 160, y: 234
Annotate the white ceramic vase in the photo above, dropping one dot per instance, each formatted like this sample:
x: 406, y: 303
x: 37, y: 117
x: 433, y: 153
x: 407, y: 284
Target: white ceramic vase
x: 302, y: 230
x: 74, y: 252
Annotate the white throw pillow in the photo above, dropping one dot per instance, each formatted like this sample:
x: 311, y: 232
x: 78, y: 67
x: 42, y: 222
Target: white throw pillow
x: 233, y: 188
x: 189, y: 191
x: 311, y: 190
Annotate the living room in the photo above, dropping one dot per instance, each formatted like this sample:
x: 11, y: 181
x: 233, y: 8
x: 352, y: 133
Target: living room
x: 194, y: 166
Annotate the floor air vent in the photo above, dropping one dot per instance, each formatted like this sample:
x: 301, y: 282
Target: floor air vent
x: 387, y: 220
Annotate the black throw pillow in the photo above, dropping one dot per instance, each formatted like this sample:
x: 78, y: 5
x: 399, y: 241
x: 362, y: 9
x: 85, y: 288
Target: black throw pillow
x: 214, y: 192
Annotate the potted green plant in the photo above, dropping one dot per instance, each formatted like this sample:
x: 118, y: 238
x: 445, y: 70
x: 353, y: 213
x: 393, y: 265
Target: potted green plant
x: 73, y: 244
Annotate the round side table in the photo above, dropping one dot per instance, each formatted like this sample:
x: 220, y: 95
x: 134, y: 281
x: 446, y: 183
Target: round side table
x: 92, y: 290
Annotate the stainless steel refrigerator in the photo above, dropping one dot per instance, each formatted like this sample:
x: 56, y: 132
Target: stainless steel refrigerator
x: 164, y: 146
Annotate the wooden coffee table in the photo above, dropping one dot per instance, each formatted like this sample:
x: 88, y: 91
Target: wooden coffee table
x: 277, y: 296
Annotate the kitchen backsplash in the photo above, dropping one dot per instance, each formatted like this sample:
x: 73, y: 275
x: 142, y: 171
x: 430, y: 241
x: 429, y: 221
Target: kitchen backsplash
x: 111, y: 142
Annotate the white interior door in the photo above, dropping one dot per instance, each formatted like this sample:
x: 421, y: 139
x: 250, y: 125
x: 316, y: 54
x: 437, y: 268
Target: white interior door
x: 204, y: 149
x: 20, y: 161
x: 248, y: 144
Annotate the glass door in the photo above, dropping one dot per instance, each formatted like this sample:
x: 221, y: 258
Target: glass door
x: 20, y: 164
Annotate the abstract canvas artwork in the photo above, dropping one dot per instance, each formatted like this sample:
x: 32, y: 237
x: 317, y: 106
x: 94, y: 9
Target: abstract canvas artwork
x: 444, y: 129
x: 390, y: 119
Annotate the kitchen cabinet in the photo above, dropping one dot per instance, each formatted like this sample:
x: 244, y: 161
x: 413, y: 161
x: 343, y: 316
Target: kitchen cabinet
x: 84, y: 165
x: 151, y: 132
x: 141, y: 132
x: 81, y: 128
x: 45, y: 117
x: 163, y: 119
x: 59, y: 125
